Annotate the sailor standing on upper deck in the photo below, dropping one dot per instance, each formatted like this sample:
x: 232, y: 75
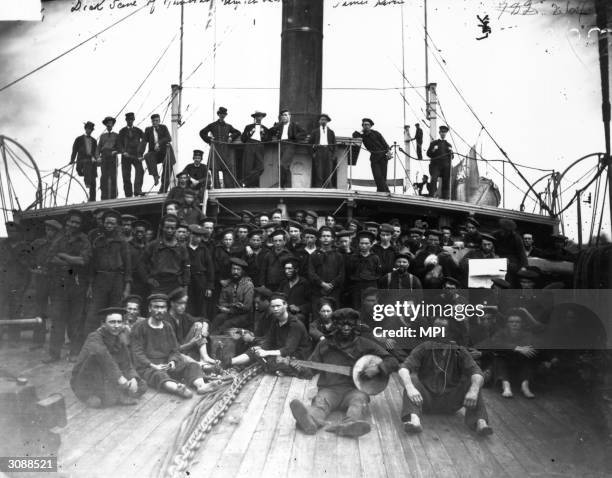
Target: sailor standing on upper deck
x: 288, y: 133
x: 222, y: 134
x: 84, y: 153
x: 253, y: 137
x: 441, y: 153
x: 106, y: 153
x: 323, y: 140
x: 374, y: 142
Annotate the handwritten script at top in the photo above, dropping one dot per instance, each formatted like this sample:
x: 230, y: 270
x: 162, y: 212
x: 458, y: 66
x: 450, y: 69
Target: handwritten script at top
x: 101, y: 5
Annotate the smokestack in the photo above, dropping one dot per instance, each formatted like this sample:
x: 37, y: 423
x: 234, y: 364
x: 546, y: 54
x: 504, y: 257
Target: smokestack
x: 302, y: 60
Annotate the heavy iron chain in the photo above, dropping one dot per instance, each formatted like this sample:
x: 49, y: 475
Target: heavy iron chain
x: 184, y: 457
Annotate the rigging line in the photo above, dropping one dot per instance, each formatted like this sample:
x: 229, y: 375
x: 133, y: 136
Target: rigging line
x: 406, y: 102
x: 580, y: 179
x: 147, y: 77
x: 12, y: 155
x: 602, y: 211
x: 144, y: 118
x: 580, y: 191
x: 594, y: 210
x: 489, y: 134
x: 23, y: 77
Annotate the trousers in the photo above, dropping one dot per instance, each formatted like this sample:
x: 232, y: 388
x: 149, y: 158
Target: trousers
x: 67, y: 298
x: 108, y: 176
x: 448, y: 402
x: 252, y: 164
x: 379, y: 172
x: 440, y: 169
x: 107, y: 290
x: 343, y: 397
x: 126, y: 172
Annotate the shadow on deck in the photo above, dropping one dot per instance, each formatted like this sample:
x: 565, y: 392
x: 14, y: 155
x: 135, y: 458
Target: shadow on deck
x: 549, y: 436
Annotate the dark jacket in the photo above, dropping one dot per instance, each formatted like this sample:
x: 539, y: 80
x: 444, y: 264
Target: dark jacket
x: 295, y: 132
x: 291, y: 339
x: 163, y: 136
x: 444, y: 151
x: 249, y: 130
x: 327, y: 267
x: 130, y: 140
x: 315, y: 138
x: 272, y: 274
x: 202, y: 266
x: 219, y: 131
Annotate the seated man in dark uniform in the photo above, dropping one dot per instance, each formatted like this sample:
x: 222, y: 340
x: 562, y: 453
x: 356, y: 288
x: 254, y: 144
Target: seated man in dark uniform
x: 441, y: 377
x: 337, y: 391
x: 157, y: 355
x: 287, y: 337
x: 103, y: 374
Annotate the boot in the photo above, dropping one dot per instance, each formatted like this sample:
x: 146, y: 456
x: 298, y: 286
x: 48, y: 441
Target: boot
x: 303, y: 418
x: 350, y: 428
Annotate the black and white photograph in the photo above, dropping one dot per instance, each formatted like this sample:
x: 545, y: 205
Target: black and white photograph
x: 305, y: 238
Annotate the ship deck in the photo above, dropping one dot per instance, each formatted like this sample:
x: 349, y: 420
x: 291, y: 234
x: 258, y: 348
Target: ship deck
x: 550, y: 436
x: 374, y: 203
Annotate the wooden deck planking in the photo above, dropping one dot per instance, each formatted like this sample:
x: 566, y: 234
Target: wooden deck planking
x: 271, y: 459
x: 130, y: 441
x: 205, y: 462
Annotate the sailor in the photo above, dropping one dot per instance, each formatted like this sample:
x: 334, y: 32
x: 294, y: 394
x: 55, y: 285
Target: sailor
x: 132, y: 305
x: 127, y: 229
x: 322, y: 326
x: 177, y: 192
x: 418, y: 137
x: 69, y: 256
x: 272, y: 273
x: 191, y: 332
x: 288, y: 133
x: 104, y: 375
x: 441, y: 153
x: 157, y: 357
x: 247, y: 217
x: 379, y: 150
x: 423, y: 187
x: 296, y: 288
x: 219, y: 134
x: 202, y: 281
x: 236, y: 300
x: 241, y: 231
x: 84, y: 153
x: 198, y: 173
x: 399, y: 277
x: 190, y: 211
x: 276, y: 216
x: 364, y: 268
x: 311, y: 218
x: 256, y: 255
x: 110, y: 275
x: 509, y: 244
x: 486, y: 251
x: 99, y: 228
x: 287, y: 337
x: 558, y: 251
x: 158, y: 141
x: 295, y: 244
x: 442, y: 377
x: 385, y: 250
x: 338, y: 392
x: 253, y: 136
x: 262, y: 319
x: 106, y: 154
x: 130, y: 138
x: 471, y: 238
x: 323, y: 140
x: 530, y: 249
x: 137, y: 248
x: 165, y: 261
x: 447, y: 240
x: 326, y: 268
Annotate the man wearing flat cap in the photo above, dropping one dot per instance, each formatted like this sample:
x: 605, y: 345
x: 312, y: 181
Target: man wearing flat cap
x: 165, y: 261
x: 157, y: 355
x: 106, y: 154
x: 236, y: 300
x: 441, y: 153
x: 84, y: 153
x: 104, y: 374
x: 272, y: 272
x: 256, y: 255
x: 198, y: 174
x: 202, y: 281
x: 385, y: 249
x: 189, y: 211
x: 338, y: 392
x: 68, y: 260
x: 218, y: 135
x: 296, y: 288
x: 326, y: 268
x: 323, y: 140
x: 379, y: 150
x: 158, y: 142
x: 253, y: 137
x: 509, y: 244
x: 364, y: 268
x: 110, y: 269
x: 471, y: 238
x: 485, y: 251
x: 418, y: 137
x: 130, y: 137
x: 432, y: 262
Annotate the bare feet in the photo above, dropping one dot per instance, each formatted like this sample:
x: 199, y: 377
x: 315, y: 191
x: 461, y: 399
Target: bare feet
x: 483, y: 428
x: 506, y: 390
x: 209, y: 387
x: 413, y: 425
x: 526, y: 391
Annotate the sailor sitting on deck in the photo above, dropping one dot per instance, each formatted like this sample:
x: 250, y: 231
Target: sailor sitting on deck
x: 104, y: 375
x: 337, y: 391
x: 157, y: 355
x: 442, y: 377
x: 287, y: 337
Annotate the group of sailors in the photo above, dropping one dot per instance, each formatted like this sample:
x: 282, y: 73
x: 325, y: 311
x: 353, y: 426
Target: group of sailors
x: 139, y: 304
x: 154, y: 147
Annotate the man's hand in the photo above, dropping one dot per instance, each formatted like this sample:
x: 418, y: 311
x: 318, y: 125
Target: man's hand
x: 132, y: 386
x: 223, y: 309
x: 326, y: 286
x: 371, y: 371
x: 123, y: 382
x: 159, y: 367
x: 249, y: 250
x: 471, y: 398
x: 414, y: 395
x: 89, y: 293
x: 526, y: 350
x: 208, y: 293
x: 294, y: 309
x: 224, y: 282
